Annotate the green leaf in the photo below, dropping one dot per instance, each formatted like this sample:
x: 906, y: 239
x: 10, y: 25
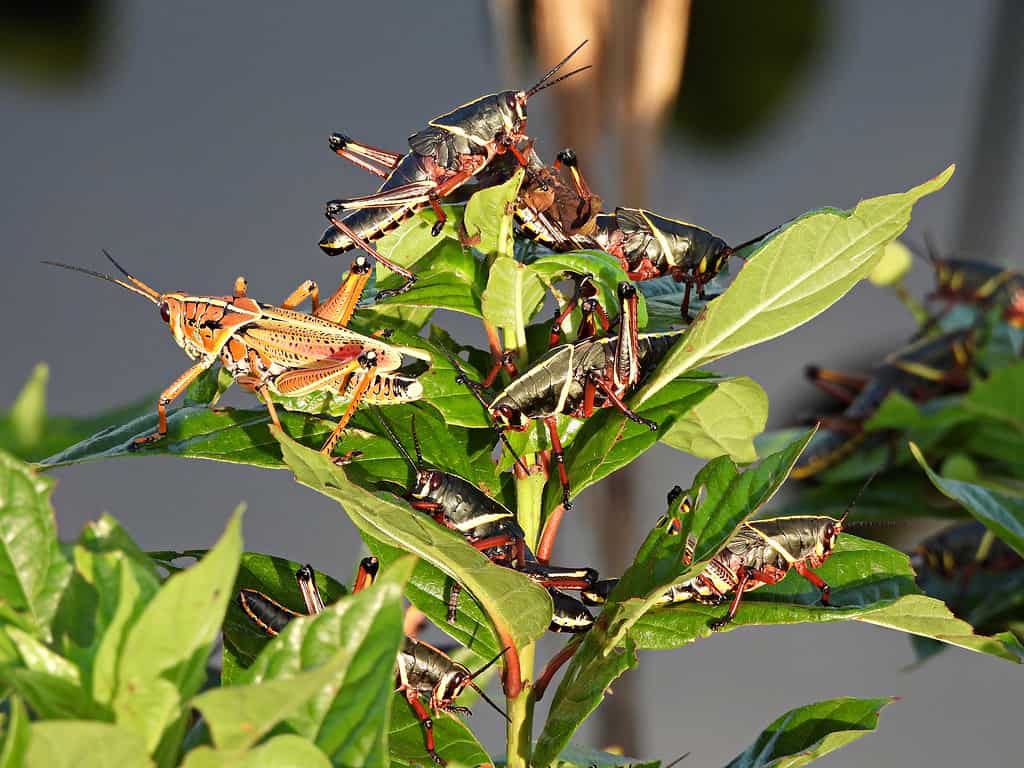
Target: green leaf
x: 226, y: 434
x: 608, y: 441
x: 1002, y: 514
x: 108, y: 593
x: 489, y: 218
x: 999, y: 397
x: 806, y: 733
x: 454, y: 741
x: 791, y: 277
x: 33, y: 570
x: 605, y: 268
x: 49, y: 683
x: 29, y: 433
x: 514, y: 294
x: 725, y: 423
x: 273, y: 576
x: 328, y: 677
x: 413, y: 240
x: 16, y: 735
x: 453, y: 278
x: 428, y: 590
x: 163, y: 660
x: 870, y: 582
x: 284, y: 751
x: 724, y: 498
x: 82, y: 744
x: 519, y: 609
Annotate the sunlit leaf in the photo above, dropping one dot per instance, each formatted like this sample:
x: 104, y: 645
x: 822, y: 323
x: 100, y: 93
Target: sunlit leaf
x: 806, y: 733
x: 795, y: 275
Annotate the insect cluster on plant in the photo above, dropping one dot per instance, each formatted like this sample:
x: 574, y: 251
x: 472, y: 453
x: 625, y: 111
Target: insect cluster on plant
x: 556, y: 381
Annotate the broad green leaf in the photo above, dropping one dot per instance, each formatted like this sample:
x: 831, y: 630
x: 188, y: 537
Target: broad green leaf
x: 806, y: 733
x: 108, y: 592
x: 723, y: 498
x: 398, y: 317
x: 84, y: 744
x: 1002, y: 514
x: 429, y: 589
x: 225, y: 434
x: 608, y: 441
x: 412, y: 241
x: 514, y: 294
x: 50, y: 684
x: 792, y: 277
x: 28, y: 432
x: 574, y: 756
x: 519, y: 610
x: 489, y: 218
x: 452, y: 738
x: 33, y: 570
x: 328, y: 678
x: 999, y: 397
x: 240, y: 715
x: 725, y: 423
x: 284, y: 751
x: 870, y: 582
x: 606, y: 270
x: 895, y: 263
x: 275, y: 577
x: 452, y: 278
x: 163, y: 660
x: 16, y: 735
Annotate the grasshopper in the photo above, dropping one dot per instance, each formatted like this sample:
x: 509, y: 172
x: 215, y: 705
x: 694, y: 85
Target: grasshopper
x: 271, y: 350
x: 422, y: 670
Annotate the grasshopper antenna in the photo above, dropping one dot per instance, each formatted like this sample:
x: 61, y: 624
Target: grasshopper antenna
x: 463, y: 378
x: 849, y: 507
x: 135, y: 285
x: 416, y: 443
x: 479, y: 690
x: 678, y: 760
x: 543, y: 83
x: 416, y: 465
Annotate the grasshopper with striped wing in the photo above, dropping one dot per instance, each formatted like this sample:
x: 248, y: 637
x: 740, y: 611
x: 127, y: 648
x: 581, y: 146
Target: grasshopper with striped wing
x: 277, y: 350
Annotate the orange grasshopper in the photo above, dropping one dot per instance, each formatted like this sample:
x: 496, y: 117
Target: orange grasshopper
x: 278, y: 350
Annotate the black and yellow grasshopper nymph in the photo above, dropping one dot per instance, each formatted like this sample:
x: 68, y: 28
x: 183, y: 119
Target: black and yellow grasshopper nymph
x: 423, y: 671
x: 575, y: 379
x: 761, y: 552
x: 447, y: 153
x: 491, y: 528
x: 272, y: 617
x: 922, y: 370
x: 647, y: 244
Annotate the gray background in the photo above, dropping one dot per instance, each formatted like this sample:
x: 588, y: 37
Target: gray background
x: 199, y: 152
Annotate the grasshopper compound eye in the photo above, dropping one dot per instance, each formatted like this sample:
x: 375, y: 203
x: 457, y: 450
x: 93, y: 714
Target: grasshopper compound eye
x: 165, y: 312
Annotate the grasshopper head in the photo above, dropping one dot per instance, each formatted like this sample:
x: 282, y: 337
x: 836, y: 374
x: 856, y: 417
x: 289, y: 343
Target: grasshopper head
x: 173, y: 309
x: 426, y: 484
x: 508, y: 415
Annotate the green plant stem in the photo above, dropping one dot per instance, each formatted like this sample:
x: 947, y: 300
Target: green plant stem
x: 529, y: 494
x: 520, y: 714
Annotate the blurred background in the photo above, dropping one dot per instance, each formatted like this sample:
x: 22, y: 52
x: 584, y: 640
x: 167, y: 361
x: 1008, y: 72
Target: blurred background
x: 190, y: 140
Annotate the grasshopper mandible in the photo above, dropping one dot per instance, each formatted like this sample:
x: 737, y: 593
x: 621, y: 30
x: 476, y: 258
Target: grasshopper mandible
x: 275, y: 349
